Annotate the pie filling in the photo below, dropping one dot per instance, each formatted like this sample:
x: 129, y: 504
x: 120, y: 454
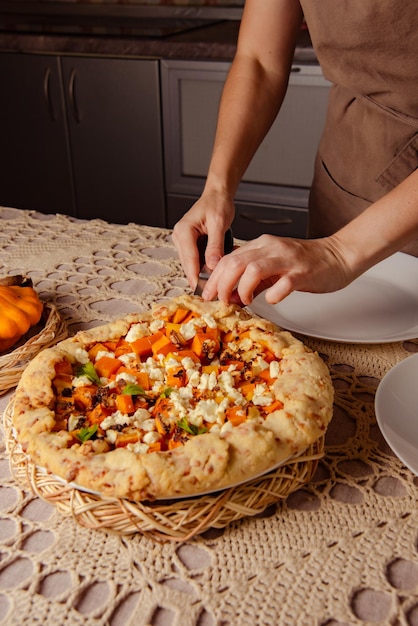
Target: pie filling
x: 163, y: 383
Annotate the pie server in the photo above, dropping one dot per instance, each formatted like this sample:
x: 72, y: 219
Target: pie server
x: 204, y: 270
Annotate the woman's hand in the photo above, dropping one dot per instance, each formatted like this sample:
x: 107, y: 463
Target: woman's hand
x: 280, y: 265
x: 211, y: 215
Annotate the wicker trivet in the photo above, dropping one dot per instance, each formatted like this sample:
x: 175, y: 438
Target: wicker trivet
x: 176, y: 520
x: 49, y: 331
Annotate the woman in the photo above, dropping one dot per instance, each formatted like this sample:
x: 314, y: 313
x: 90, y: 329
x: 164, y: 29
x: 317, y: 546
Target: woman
x: 364, y: 197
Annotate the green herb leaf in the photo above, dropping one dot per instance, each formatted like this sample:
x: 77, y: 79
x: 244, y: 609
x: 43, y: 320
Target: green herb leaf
x: 166, y: 393
x: 88, y: 370
x: 87, y: 433
x: 192, y: 429
x: 133, y: 390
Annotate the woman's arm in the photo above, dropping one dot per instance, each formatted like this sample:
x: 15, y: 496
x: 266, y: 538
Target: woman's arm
x: 255, y: 88
x: 282, y: 265
x: 252, y: 96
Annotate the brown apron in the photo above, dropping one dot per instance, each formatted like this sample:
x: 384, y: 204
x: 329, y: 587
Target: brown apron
x: 368, y: 49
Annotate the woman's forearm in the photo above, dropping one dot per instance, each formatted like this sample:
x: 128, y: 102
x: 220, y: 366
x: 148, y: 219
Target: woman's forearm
x: 254, y: 89
x: 383, y: 228
x: 245, y: 115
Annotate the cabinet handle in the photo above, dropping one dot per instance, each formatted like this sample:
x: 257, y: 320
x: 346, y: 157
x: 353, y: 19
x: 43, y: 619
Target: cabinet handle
x: 265, y: 220
x: 47, y: 94
x: 71, y: 94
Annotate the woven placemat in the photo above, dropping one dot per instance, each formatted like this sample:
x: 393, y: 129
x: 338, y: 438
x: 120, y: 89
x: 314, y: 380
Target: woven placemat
x: 49, y: 331
x: 175, y: 520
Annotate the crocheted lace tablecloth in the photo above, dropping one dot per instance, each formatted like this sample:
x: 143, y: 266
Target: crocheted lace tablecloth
x: 340, y: 551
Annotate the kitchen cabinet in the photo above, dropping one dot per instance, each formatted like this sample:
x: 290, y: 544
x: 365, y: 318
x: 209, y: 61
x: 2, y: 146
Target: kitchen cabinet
x: 35, y: 164
x: 273, y: 195
x: 82, y: 135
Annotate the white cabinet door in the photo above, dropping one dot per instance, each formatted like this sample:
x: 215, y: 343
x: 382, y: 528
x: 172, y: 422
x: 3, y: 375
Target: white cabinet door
x: 191, y: 94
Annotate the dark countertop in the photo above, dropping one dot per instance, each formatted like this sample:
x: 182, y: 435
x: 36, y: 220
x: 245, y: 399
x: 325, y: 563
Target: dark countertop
x: 212, y: 41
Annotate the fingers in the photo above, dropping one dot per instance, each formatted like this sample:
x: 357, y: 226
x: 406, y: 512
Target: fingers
x: 214, y: 248
x: 275, y: 264
x: 282, y: 288
x: 210, y: 216
x: 241, y: 274
x: 264, y: 263
x: 185, y: 238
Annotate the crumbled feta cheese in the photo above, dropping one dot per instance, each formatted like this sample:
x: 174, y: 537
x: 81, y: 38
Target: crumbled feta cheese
x: 195, y: 419
x: 261, y: 397
x: 260, y: 389
x: 203, y: 382
x: 193, y: 377
x: 170, y: 363
x: 185, y: 393
x: 249, y: 356
x: 190, y: 364
x: 138, y: 447
x: 246, y: 343
x: 156, y: 373
x: 260, y: 364
x: 153, y: 370
x: 74, y: 422
x: 274, y: 369
x: 128, y: 378
x: 140, y: 416
x: 148, y: 425
x: 188, y: 330
x: 116, y: 419
x: 104, y: 353
x: 82, y: 381
x: 213, y: 381
x: 227, y: 386
x: 237, y: 397
x: 156, y: 325
x: 151, y: 437
x: 158, y: 387
x: 226, y: 381
x: 82, y: 356
x: 137, y: 331
x: 111, y: 435
x: 210, y: 410
x: 129, y: 357
x: 181, y: 402
x: 209, y: 321
x: 207, y: 381
x: 226, y: 428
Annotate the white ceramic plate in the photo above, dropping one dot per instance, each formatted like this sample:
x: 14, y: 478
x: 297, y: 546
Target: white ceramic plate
x: 380, y: 306
x: 396, y: 405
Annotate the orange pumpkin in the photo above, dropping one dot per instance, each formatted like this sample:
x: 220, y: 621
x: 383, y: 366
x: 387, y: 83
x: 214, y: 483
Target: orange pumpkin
x: 20, y: 308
